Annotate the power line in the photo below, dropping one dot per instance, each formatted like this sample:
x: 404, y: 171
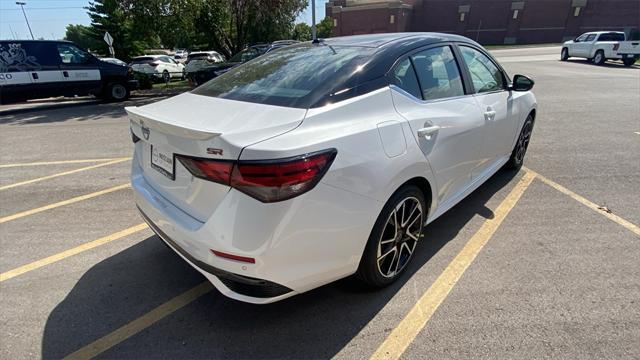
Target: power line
x: 44, y: 20
x: 47, y: 8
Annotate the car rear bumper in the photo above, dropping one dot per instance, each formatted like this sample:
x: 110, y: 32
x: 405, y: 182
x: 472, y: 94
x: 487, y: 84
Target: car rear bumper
x: 297, y: 245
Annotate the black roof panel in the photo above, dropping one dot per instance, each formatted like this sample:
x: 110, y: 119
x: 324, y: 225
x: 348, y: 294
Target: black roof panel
x: 379, y: 40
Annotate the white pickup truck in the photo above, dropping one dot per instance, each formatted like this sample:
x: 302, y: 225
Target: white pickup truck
x: 601, y: 46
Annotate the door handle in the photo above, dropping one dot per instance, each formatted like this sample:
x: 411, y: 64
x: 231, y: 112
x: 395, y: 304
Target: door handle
x: 490, y: 115
x: 65, y: 74
x: 34, y: 76
x: 427, y: 132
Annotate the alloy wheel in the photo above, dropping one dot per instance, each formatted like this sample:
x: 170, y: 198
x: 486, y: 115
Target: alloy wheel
x: 523, y: 141
x: 400, y: 237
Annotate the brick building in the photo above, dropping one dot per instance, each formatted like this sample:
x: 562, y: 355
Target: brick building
x: 487, y: 21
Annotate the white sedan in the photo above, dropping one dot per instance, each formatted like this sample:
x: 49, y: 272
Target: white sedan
x: 161, y: 67
x: 320, y: 161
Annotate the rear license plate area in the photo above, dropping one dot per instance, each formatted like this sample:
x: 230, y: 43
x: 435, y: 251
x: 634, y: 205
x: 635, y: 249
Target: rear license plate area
x: 163, y: 161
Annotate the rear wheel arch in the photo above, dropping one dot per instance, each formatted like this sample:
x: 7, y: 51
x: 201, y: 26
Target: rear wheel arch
x: 424, y: 185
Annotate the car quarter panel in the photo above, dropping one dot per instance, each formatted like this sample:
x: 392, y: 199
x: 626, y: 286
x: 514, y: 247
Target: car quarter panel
x: 361, y: 166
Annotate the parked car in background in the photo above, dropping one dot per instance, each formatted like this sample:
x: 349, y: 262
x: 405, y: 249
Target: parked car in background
x: 182, y: 53
x: 160, y: 67
x: 211, y: 70
x: 280, y: 44
x: 324, y: 160
x: 114, y: 61
x: 600, y: 46
x: 199, y: 59
x: 35, y: 69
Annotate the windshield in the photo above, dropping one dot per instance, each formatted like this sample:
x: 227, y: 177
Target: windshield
x: 245, y: 55
x: 294, y: 76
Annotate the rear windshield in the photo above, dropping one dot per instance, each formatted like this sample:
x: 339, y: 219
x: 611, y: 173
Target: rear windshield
x: 295, y: 76
x: 197, y: 56
x: 142, y: 59
x: 611, y: 37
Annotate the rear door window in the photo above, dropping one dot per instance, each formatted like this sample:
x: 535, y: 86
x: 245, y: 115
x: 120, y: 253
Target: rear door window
x: 611, y: 37
x: 438, y: 73
x: 486, y: 76
x: 404, y: 77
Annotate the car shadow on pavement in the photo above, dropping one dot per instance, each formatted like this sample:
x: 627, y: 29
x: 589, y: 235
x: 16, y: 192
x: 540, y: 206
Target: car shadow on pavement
x: 316, y: 324
x: 608, y: 64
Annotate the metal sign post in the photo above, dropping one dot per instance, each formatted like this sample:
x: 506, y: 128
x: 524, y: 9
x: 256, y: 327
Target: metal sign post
x: 109, y: 40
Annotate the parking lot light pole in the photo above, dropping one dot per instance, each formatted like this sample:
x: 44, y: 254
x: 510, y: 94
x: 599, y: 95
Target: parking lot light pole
x: 313, y: 20
x: 22, y: 4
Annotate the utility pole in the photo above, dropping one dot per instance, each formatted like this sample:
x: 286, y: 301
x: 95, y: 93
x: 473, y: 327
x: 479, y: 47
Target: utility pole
x: 313, y: 20
x: 22, y: 4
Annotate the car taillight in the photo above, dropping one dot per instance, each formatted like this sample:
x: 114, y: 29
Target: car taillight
x: 265, y: 180
x: 616, y: 46
x: 213, y: 170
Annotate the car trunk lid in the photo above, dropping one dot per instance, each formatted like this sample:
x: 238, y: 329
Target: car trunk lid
x: 203, y: 127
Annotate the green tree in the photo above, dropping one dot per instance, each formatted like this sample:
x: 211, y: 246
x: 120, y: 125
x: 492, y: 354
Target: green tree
x: 226, y: 26
x: 324, y: 28
x: 302, y: 32
x: 82, y: 36
x: 128, y: 39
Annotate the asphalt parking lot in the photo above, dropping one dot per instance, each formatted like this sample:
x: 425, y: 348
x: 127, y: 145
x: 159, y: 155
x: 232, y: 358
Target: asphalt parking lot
x: 539, y: 264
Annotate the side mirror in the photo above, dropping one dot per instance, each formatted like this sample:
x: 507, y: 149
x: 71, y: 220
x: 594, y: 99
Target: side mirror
x: 522, y: 83
x: 576, y: 40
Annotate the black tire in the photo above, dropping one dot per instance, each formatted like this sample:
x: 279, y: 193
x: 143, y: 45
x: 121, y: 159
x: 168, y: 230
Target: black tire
x: 628, y: 62
x: 520, y: 149
x: 166, y: 77
x: 378, y: 271
x: 117, y: 91
x: 599, y: 58
x: 564, y: 54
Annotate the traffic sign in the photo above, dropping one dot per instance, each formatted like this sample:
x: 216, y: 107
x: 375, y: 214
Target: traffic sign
x: 108, y: 39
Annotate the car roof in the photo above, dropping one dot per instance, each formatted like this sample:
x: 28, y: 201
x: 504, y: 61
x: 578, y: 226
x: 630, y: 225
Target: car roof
x: 203, y: 52
x: 380, y: 40
x: 603, y: 32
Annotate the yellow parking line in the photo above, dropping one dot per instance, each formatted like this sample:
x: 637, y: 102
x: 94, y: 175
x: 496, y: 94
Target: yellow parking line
x: 62, y: 203
x: 141, y: 323
x: 591, y: 205
x: 402, y: 336
x: 73, y: 251
x: 63, y: 173
x: 60, y: 162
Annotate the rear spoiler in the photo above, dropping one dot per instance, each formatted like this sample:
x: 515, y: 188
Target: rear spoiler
x: 158, y: 123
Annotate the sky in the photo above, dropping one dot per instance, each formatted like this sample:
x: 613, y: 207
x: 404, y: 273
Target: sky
x: 49, y: 18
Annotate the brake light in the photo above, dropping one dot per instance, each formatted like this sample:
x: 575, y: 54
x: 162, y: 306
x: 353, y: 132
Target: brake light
x: 616, y: 46
x: 265, y: 180
x: 213, y: 170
